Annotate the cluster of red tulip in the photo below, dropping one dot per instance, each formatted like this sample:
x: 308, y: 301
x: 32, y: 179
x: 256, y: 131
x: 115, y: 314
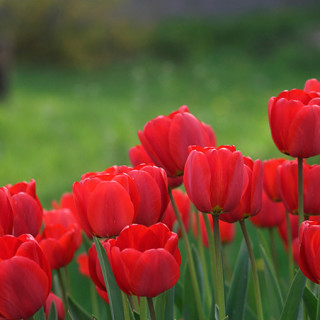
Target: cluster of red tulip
x: 136, y: 216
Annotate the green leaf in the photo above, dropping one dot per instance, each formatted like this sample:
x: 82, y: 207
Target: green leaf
x: 114, y: 293
x: 237, y: 296
x: 76, y: 311
x: 310, y: 302
x: 275, y: 295
x: 53, y: 315
x: 40, y: 315
x: 164, y: 305
x: 294, y: 297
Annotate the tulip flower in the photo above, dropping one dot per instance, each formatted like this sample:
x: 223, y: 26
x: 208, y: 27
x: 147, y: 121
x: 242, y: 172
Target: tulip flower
x: 53, y: 299
x: 282, y: 228
x: 251, y: 199
x: 288, y: 183
x: 6, y: 216
x: 166, y: 139
x: 214, y: 178
x: 270, y: 181
x: 83, y: 264
x: 294, y: 118
x: 27, y: 209
x: 145, y: 261
x: 309, y: 259
x: 66, y: 202
x: 25, y: 277
x: 272, y: 214
x: 312, y: 85
x: 60, y: 238
x: 138, y: 156
x: 183, y: 204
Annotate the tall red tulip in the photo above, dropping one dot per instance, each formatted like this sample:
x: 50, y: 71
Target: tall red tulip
x: 60, y: 238
x: 312, y: 85
x: 309, y: 257
x: 25, y: 277
x: 53, y: 299
x: 145, y: 261
x: 6, y: 216
x: 66, y: 202
x: 270, y: 181
x: 251, y: 199
x: 288, y: 183
x: 214, y: 178
x: 27, y: 209
x: 166, y: 139
x: 294, y: 118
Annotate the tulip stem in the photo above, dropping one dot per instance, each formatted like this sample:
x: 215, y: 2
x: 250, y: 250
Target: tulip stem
x: 300, y: 190
x: 254, y: 270
x: 125, y: 306
x: 151, y: 309
x: 143, y: 308
x: 131, y: 302
x: 273, y: 249
x: 219, y: 268
x: 290, y: 252
x: 208, y: 293
x: 63, y: 291
x: 94, y: 301
x: 189, y: 257
x: 67, y: 278
x: 213, y: 259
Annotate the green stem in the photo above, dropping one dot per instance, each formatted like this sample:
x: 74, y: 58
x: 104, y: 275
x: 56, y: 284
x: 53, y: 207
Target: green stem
x: 219, y: 272
x: 189, y: 257
x: 67, y: 278
x: 131, y: 302
x: 94, y: 300
x: 208, y: 293
x: 300, y: 190
x: 273, y: 249
x: 254, y: 270
x: 212, y: 255
x: 290, y: 253
x: 318, y: 305
x: 151, y: 309
x: 125, y: 306
x: 143, y: 308
x: 63, y: 291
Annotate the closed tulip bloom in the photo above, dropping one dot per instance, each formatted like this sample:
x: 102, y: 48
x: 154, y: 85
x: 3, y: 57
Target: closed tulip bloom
x: 53, y: 299
x: 27, y: 209
x: 60, y: 238
x: 282, y: 228
x: 271, y: 214
x: 83, y: 264
x: 25, y: 277
x: 6, y: 216
x: 251, y: 199
x: 309, y: 256
x: 214, y: 178
x: 312, y: 85
x: 270, y: 181
x: 294, y: 118
x: 288, y: 182
x: 106, y: 203
x: 166, y: 139
x: 138, y: 155
x: 145, y: 261
x: 183, y: 204
x: 66, y: 202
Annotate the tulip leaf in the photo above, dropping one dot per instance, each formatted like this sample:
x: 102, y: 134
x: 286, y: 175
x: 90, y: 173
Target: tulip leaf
x: 164, y: 305
x: 76, y: 311
x: 310, y: 301
x: 272, y: 284
x: 291, y: 307
x: 40, y: 315
x: 114, y: 293
x: 237, y: 295
x: 53, y: 315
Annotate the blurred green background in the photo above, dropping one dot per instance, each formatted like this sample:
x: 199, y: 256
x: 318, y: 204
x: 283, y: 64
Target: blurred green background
x: 82, y: 82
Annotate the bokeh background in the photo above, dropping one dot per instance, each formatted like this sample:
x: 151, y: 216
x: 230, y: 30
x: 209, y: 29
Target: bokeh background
x: 78, y: 79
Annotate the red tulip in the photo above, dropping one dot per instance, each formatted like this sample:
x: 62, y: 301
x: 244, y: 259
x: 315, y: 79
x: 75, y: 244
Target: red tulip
x: 288, y: 183
x: 6, y: 216
x: 145, y: 261
x: 309, y: 257
x: 295, y: 250
x: 27, y: 210
x: 166, y: 139
x: 227, y: 230
x: 271, y: 214
x: 183, y: 204
x: 60, y: 238
x: 251, y: 199
x: 66, y: 202
x: 52, y: 298
x: 312, y: 85
x: 25, y: 277
x: 270, y: 181
x: 214, y: 178
x: 294, y: 118
x: 294, y: 223
x: 138, y: 156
